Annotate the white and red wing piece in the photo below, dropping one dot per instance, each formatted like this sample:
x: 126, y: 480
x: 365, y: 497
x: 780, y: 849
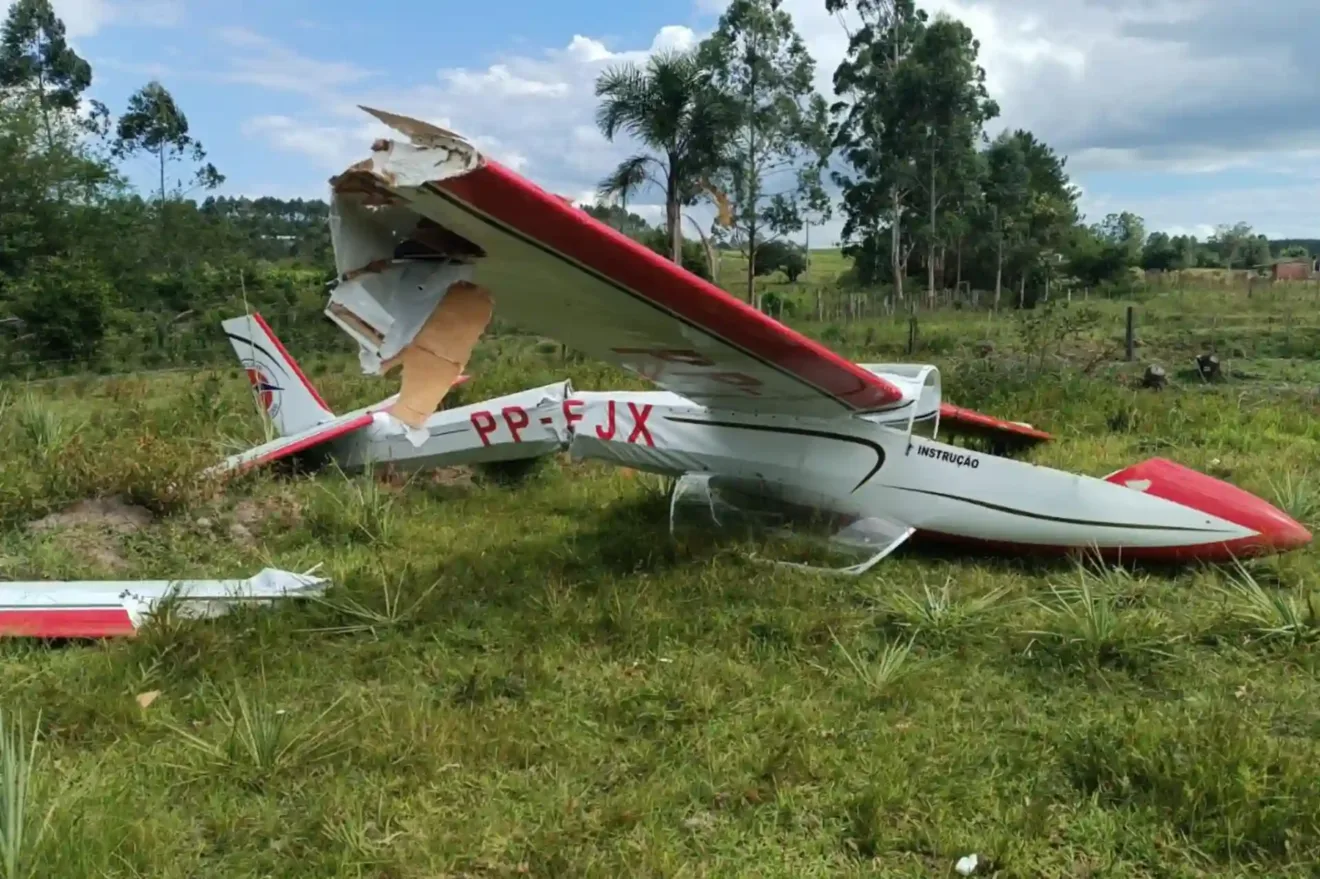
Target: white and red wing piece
x: 956, y: 419
x: 114, y: 608
x: 555, y: 270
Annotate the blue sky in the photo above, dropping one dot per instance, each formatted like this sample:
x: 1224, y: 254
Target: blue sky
x: 1189, y: 112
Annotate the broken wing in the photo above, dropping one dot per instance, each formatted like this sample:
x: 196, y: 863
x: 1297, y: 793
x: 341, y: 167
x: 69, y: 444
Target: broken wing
x: 419, y: 217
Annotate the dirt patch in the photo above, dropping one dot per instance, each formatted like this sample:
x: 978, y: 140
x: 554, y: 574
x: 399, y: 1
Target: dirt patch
x: 98, y: 550
x: 94, y: 528
x: 111, y: 514
x: 250, y: 515
x: 459, y: 476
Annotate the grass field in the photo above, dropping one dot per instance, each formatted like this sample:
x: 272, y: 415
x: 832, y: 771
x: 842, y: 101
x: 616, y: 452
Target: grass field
x: 532, y: 680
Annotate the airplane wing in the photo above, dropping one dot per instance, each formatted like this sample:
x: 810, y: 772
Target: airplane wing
x: 419, y: 208
x: 955, y: 419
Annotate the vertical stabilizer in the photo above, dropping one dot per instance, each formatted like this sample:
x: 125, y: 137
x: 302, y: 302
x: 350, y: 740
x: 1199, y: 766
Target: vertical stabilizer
x: 281, y: 388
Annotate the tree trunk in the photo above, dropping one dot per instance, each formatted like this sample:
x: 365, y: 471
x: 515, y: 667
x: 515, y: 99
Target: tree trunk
x: 751, y: 269
x: 1022, y: 291
x: 45, y: 111
x: 930, y: 244
x: 673, y: 216
x: 895, y: 251
x: 957, y: 282
x: 999, y: 270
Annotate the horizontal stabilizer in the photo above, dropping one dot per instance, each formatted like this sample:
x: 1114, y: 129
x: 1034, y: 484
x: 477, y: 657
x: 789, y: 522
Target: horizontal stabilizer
x: 291, y: 445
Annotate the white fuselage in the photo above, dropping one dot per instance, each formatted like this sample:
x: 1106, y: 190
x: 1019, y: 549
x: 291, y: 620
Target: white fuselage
x: 870, y: 467
x: 867, y: 468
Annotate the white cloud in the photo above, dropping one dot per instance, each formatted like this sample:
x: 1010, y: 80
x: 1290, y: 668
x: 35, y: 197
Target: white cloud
x: 267, y: 63
x: 1159, y: 86
x: 83, y: 18
x: 497, y: 81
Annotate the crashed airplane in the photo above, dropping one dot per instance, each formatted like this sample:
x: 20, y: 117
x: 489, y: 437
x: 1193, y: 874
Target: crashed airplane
x: 757, y: 423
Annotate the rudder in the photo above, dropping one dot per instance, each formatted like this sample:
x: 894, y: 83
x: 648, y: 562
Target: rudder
x: 280, y: 386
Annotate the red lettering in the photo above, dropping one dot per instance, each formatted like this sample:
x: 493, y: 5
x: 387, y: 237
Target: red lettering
x: 572, y: 412
x: 484, y: 424
x: 670, y: 355
x: 608, y: 435
x: 516, y: 418
x: 639, y: 423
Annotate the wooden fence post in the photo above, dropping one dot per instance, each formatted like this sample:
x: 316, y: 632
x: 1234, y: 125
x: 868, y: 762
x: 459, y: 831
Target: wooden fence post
x: 1131, y: 334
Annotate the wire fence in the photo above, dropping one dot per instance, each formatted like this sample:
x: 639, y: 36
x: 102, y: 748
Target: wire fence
x: 1236, y: 316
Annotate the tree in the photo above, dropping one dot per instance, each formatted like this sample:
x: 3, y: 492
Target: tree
x: 35, y: 57
x: 947, y: 94
x: 1127, y: 232
x: 155, y: 124
x: 1188, y: 251
x: 671, y: 107
x: 1160, y: 254
x: 1049, y: 214
x: 1258, y: 251
x: 618, y: 217
x: 1093, y: 259
x: 1232, y: 244
x: 65, y: 305
x: 1007, y: 196
x: 876, y: 133
x: 758, y: 59
x: 780, y: 256
x: 36, y: 219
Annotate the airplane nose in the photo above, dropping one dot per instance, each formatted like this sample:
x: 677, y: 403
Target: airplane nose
x: 1276, y: 531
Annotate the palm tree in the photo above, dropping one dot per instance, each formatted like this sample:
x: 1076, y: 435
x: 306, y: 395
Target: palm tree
x: 682, y: 121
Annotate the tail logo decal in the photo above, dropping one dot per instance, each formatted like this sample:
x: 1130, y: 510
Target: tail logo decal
x: 267, y: 391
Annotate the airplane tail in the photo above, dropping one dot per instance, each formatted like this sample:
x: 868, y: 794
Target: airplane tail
x: 281, y: 388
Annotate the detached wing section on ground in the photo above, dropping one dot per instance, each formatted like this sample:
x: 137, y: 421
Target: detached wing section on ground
x: 424, y: 218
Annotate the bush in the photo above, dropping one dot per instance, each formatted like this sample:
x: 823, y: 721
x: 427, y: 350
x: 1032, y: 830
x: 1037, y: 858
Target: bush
x: 780, y: 256
x: 64, y: 305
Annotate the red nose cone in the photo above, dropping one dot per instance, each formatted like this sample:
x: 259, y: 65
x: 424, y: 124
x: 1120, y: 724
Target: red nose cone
x: 1276, y: 530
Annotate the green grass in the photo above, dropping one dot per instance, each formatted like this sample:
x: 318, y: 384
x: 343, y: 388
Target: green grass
x: 531, y: 679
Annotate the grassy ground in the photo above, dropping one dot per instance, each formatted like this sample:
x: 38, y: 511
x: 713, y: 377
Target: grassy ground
x: 533, y: 680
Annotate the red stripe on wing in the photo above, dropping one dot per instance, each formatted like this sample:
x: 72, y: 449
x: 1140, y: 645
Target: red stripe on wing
x: 518, y: 203
x: 976, y: 422
x: 74, y: 622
